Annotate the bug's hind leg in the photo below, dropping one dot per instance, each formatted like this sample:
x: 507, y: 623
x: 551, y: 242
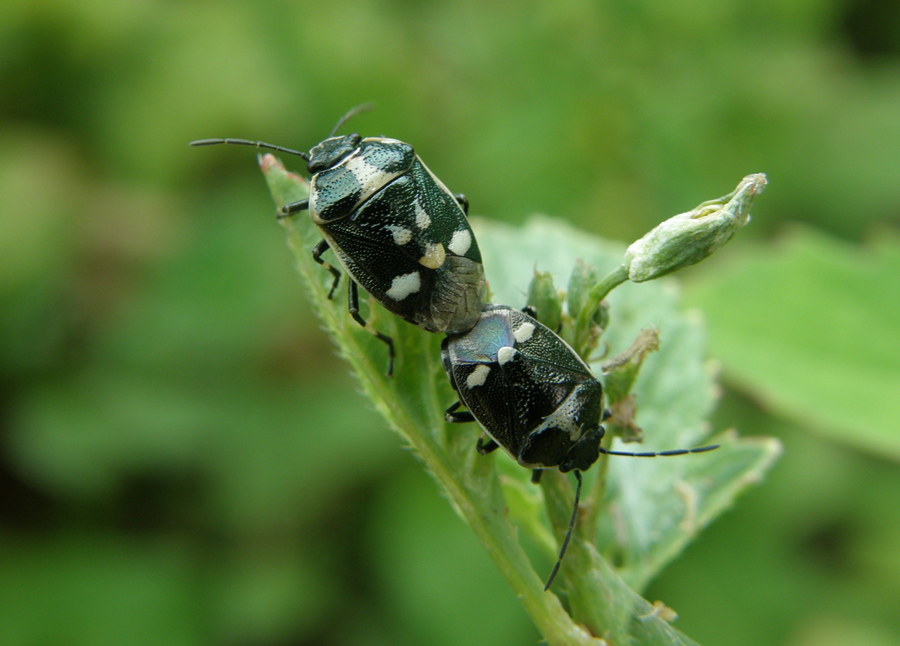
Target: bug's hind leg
x: 485, y: 447
x: 353, y: 307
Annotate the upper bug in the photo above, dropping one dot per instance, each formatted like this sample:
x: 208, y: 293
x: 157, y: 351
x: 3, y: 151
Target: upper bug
x: 532, y: 395
x: 394, y: 227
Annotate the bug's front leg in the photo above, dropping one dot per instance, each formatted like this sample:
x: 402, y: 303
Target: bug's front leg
x: 484, y: 445
x: 458, y: 418
x: 317, y: 252
x: 291, y: 208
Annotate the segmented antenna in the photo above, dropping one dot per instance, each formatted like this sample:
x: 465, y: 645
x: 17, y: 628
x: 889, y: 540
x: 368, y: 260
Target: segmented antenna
x: 565, y: 545
x: 352, y: 112
x: 247, y: 142
x: 646, y: 454
x: 660, y: 454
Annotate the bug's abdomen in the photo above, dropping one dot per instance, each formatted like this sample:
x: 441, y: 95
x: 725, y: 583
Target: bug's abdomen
x: 457, y: 298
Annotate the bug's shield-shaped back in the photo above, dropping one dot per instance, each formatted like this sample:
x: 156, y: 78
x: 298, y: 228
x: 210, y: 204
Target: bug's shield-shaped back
x: 527, y: 389
x: 411, y: 247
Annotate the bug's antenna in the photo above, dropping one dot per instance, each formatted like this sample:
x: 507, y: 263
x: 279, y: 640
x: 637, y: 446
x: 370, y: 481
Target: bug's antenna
x: 562, y: 551
x: 646, y: 454
x: 660, y: 454
x: 363, y: 107
x: 352, y: 112
x: 247, y: 142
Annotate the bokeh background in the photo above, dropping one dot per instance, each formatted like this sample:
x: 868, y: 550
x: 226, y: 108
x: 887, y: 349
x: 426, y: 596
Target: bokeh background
x: 184, y: 461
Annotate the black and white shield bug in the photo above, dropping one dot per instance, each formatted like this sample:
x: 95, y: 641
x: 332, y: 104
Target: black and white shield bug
x: 395, y: 228
x: 532, y: 395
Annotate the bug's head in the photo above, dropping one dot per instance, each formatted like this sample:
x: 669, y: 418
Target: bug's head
x: 331, y: 151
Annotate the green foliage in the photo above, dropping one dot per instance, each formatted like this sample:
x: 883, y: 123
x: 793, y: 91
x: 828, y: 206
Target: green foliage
x: 811, y: 330
x: 657, y: 506
x: 98, y: 590
x: 173, y: 422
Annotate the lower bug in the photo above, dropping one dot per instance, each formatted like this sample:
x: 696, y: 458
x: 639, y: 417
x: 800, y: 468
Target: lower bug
x: 532, y: 395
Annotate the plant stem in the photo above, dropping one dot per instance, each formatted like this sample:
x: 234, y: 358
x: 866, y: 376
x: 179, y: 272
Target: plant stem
x: 600, y: 291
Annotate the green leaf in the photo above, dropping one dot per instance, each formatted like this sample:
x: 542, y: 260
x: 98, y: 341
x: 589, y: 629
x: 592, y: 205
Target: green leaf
x: 811, y: 330
x: 674, y: 391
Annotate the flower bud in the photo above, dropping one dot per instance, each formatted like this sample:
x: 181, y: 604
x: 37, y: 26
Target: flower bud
x: 583, y: 278
x: 543, y: 296
x: 688, y: 238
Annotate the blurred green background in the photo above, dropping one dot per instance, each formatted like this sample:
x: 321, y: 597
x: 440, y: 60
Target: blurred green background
x: 183, y: 460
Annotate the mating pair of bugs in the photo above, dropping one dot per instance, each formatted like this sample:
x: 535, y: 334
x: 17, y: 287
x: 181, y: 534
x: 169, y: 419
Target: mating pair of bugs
x: 404, y: 237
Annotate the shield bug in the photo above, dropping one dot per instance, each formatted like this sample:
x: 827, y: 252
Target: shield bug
x: 395, y: 228
x: 532, y: 395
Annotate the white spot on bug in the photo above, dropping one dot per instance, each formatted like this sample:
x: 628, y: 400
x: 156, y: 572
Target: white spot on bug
x: 478, y: 376
x: 369, y: 176
x: 423, y: 220
x: 434, y: 255
x: 523, y: 332
x: 561, y: 419
x: 505, y: 355
x: 460, y: 242
x: 403, y: 286
x: 401, y: 236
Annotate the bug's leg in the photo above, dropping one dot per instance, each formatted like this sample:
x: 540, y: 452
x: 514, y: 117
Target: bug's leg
x: 291, y: 208
x: 486, y: 447
x: 463, y: 201
x: 536, y: 476
x: 482, y: 446
x: 458, y: 418
x: 353, y: 307
x: 317, y: 252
